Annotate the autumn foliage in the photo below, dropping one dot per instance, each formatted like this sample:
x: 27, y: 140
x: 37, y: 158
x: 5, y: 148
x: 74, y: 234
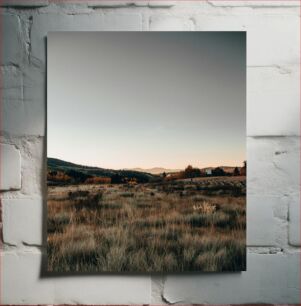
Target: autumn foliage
x: 98, y: 180
x: 58, y: 176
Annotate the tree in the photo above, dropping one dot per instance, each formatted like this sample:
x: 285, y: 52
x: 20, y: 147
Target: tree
x: 218, y: 171
x: 191, y: 172
x: 116, y: 179
x: 236, y: 171
x: 243, y: 170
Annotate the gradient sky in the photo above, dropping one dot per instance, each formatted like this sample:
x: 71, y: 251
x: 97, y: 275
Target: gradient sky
x: 146, y: 99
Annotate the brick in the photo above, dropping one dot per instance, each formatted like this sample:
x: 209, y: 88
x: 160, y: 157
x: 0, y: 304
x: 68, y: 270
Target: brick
x: 141, y: 3
x: 22, y: 284
x: 23, y: 95
x: 117, y: 3
x: 250, y: 3
x: 24, y: 105
x: 262, y: 226
x: 24, y: 3
x: 294, y: 220
x: 107, y: 3
x: 42, y: 24
x: 22, y: 221
x: 11, y: 84
x: 12, y: 99
x: 13, y: 45
x: 276, y: 92
x: 268, y: 279
x: 33, y: 167
x: 10, y: 167
x: 166, y: 23
x: 269, y: 33
x: 273, y: 165
x: 161, y: 3
x: 99, y: 3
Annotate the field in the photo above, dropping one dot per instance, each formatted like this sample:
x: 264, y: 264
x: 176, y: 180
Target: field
x: 194, y: 224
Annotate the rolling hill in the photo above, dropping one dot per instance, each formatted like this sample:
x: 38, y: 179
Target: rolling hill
x: 63, y: 172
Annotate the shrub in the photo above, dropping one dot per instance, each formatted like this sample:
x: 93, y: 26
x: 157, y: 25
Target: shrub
x: 77, y: 194
x: 90, y: 202
x: 98, y: 180
x: 191, y: 172
x: 218, y: 172
x: 116, y: 179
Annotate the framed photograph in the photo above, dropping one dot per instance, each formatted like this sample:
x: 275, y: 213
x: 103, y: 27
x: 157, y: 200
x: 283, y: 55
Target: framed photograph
x: 146, y: 151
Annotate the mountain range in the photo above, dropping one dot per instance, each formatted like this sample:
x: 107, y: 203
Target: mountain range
x: 155, y: 170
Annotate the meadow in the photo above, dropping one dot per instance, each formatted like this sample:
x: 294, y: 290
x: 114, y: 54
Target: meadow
x: 194, y: 224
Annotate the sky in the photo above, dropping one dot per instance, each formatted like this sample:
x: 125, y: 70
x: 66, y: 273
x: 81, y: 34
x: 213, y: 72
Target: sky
x: 147, y: 99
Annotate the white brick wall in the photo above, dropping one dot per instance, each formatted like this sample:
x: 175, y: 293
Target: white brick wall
x: 23, y: 221
x: 24, y: 284
x: 266, y: 275
x: 14, y: 45
x: 273, y: 118
x: 10, y: 167
x: 273, y: 93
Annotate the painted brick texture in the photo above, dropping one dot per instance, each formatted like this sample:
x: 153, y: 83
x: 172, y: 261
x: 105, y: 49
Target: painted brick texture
x: 273, y: 149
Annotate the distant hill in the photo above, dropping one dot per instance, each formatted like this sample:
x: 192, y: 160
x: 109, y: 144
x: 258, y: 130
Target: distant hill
x: 155, y: 170
x: 63, y: 172
x: 159, y: 170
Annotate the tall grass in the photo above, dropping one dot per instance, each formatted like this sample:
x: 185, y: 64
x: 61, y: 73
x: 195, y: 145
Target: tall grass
x: 147, y: 228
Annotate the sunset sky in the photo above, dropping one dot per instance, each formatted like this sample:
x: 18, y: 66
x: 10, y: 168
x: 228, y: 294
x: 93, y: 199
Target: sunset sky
x: 147, y: 99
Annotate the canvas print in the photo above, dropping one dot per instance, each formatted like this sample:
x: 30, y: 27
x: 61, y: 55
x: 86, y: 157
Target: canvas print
x: 146, y: 151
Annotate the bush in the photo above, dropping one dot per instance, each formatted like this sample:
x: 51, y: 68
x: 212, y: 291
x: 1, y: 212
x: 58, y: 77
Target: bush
x: 116, y: 179
x: 218, y: 172
x: 77, y: 194
x: 90, y: 202
x: 98, y: 180
x: 191, y: 172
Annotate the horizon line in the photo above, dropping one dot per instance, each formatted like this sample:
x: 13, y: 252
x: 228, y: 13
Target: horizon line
x: 148, y: 168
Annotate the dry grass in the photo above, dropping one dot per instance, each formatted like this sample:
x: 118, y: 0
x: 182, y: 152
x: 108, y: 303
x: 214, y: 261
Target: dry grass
x: 184, y: 225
